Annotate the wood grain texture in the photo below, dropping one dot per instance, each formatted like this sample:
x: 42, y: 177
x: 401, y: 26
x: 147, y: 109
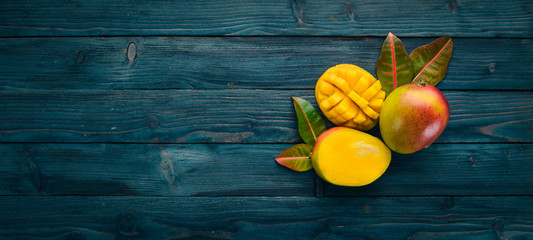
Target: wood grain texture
x: 226, y: 116
x: 490, y: 116
x: 250, y: 170
x: 266, y: 218
x: 161, y: 119
x: 451, y: 170
x: 149, y: 170
x: 468, y: 18
x: 240, y: 62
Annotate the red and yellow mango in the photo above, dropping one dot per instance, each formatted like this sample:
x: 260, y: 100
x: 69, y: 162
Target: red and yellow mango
x: 412, y: 117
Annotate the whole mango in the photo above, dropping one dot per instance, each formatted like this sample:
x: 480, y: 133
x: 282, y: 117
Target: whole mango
x: 348, y: 157
x: 412, y: 117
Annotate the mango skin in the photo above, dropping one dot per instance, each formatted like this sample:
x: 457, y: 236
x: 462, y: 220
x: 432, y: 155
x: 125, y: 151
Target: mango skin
x: 348, y: 157
x: 413, y: 117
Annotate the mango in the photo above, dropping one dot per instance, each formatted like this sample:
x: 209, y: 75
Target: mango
x: 348, y: 157
x: 412, y: 117
x: 349, y: 96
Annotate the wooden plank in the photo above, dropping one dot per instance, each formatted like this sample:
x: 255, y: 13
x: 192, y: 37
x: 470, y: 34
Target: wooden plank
x: 467, y: 18
x: 149, y: 170
x: 489, y: 116
x: 239, y: 62
x: 250, y: 170
x: 453, y: 169
x: 225, y: 116
x: 266, y: 218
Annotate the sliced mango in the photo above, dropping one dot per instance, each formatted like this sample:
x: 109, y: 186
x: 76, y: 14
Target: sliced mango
x: 349, y: 96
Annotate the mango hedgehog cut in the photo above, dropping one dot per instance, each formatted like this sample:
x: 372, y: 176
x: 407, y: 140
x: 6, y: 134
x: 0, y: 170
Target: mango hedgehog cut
x: 349, y: 96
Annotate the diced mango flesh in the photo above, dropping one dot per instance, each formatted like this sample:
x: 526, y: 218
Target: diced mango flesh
x: 349, y: 96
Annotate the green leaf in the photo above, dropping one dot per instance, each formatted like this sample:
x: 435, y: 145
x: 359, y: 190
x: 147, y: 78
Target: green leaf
x: 297, y: 157
x: 394, y: 67
x: 431, y: 61
x: 310, y: 123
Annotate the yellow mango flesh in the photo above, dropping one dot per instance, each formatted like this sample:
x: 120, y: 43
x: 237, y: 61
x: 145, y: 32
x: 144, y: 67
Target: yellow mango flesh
x: 348, y: 157
x: 349, y: 96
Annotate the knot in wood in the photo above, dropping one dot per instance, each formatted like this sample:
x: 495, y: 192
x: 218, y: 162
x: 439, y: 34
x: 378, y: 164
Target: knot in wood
x: 350, y: 11
x: 492, y: 67
x: 36, y: 178
x: 131, y: 51
x: 80, y: 57
x: 298, y: 10
x: 152, y: 122
x: 498, y: 226
x: 452, y: 5
x: 127, y: 224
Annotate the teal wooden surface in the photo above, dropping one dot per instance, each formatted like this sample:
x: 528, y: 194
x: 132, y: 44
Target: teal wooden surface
x: 226, y: 116
x: 267, y: 218
x: 240, y: 62
x: 489, y: 18
x: 161, y: 120
x: 249, y: 170
x: 149, y: 170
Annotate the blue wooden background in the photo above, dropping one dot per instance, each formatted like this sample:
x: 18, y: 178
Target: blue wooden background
x: 161, y: 120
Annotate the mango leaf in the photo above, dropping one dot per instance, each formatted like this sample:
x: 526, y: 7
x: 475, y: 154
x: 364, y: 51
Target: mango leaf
x: 431, y: 61
x: 297, y: 157
x: 310, y: 123
x: 394, y: 67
